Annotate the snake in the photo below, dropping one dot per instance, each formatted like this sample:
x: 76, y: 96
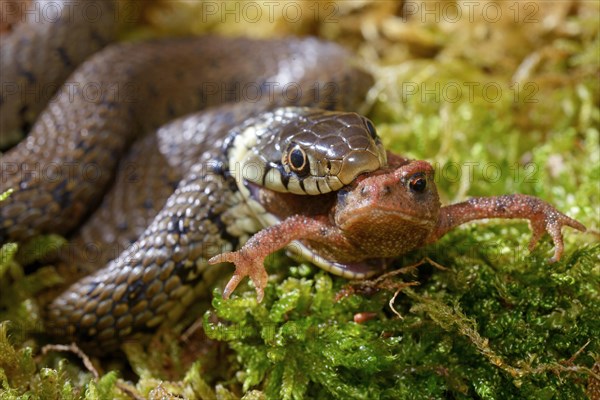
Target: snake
x: 147, y: 155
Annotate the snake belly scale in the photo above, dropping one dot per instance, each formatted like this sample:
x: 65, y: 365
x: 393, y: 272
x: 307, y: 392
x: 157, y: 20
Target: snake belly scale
x: 165, y: 193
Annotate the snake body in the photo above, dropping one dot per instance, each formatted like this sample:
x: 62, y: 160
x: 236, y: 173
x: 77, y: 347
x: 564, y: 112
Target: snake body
x: 100, y: 166
x: 40, y: 53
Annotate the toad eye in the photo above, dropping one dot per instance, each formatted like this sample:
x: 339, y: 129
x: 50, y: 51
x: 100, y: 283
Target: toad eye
x: 418, y: 183
x: 371, y: 128
x: 297, y: 160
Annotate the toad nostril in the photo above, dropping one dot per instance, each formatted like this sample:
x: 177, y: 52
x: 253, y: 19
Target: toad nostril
x: 364, y: 191
x: 385, y: 190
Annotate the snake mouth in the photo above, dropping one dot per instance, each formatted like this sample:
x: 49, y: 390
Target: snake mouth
x: 357, y: 270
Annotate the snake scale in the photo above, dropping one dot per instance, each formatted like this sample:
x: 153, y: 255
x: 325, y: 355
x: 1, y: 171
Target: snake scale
x: 170, y: 201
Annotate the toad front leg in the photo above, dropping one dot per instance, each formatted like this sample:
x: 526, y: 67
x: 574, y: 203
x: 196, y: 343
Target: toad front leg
x: 542, y: 216
x: 249, y: 260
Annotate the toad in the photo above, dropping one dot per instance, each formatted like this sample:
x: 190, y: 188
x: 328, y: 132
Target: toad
x: 383, y: 214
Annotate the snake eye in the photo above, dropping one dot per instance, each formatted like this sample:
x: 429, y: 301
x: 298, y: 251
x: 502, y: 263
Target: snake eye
x: 418, y: 183
x: 298, y: 160
x: 371, y: 128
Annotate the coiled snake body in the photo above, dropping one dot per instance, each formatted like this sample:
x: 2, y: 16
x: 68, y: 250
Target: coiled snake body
x: 173, y: 196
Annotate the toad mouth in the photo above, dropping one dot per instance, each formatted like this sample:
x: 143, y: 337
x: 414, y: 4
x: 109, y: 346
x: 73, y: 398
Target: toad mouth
x: 379, y: 213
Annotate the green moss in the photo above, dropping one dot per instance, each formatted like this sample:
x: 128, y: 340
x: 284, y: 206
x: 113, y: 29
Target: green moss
x: 22, y: 376
x: 4, y: 195
x: 299, y: 341
x: 511, y: 327
x: 17, y: 303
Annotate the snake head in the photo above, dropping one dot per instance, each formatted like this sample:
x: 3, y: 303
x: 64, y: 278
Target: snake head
x: 306, y: 151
